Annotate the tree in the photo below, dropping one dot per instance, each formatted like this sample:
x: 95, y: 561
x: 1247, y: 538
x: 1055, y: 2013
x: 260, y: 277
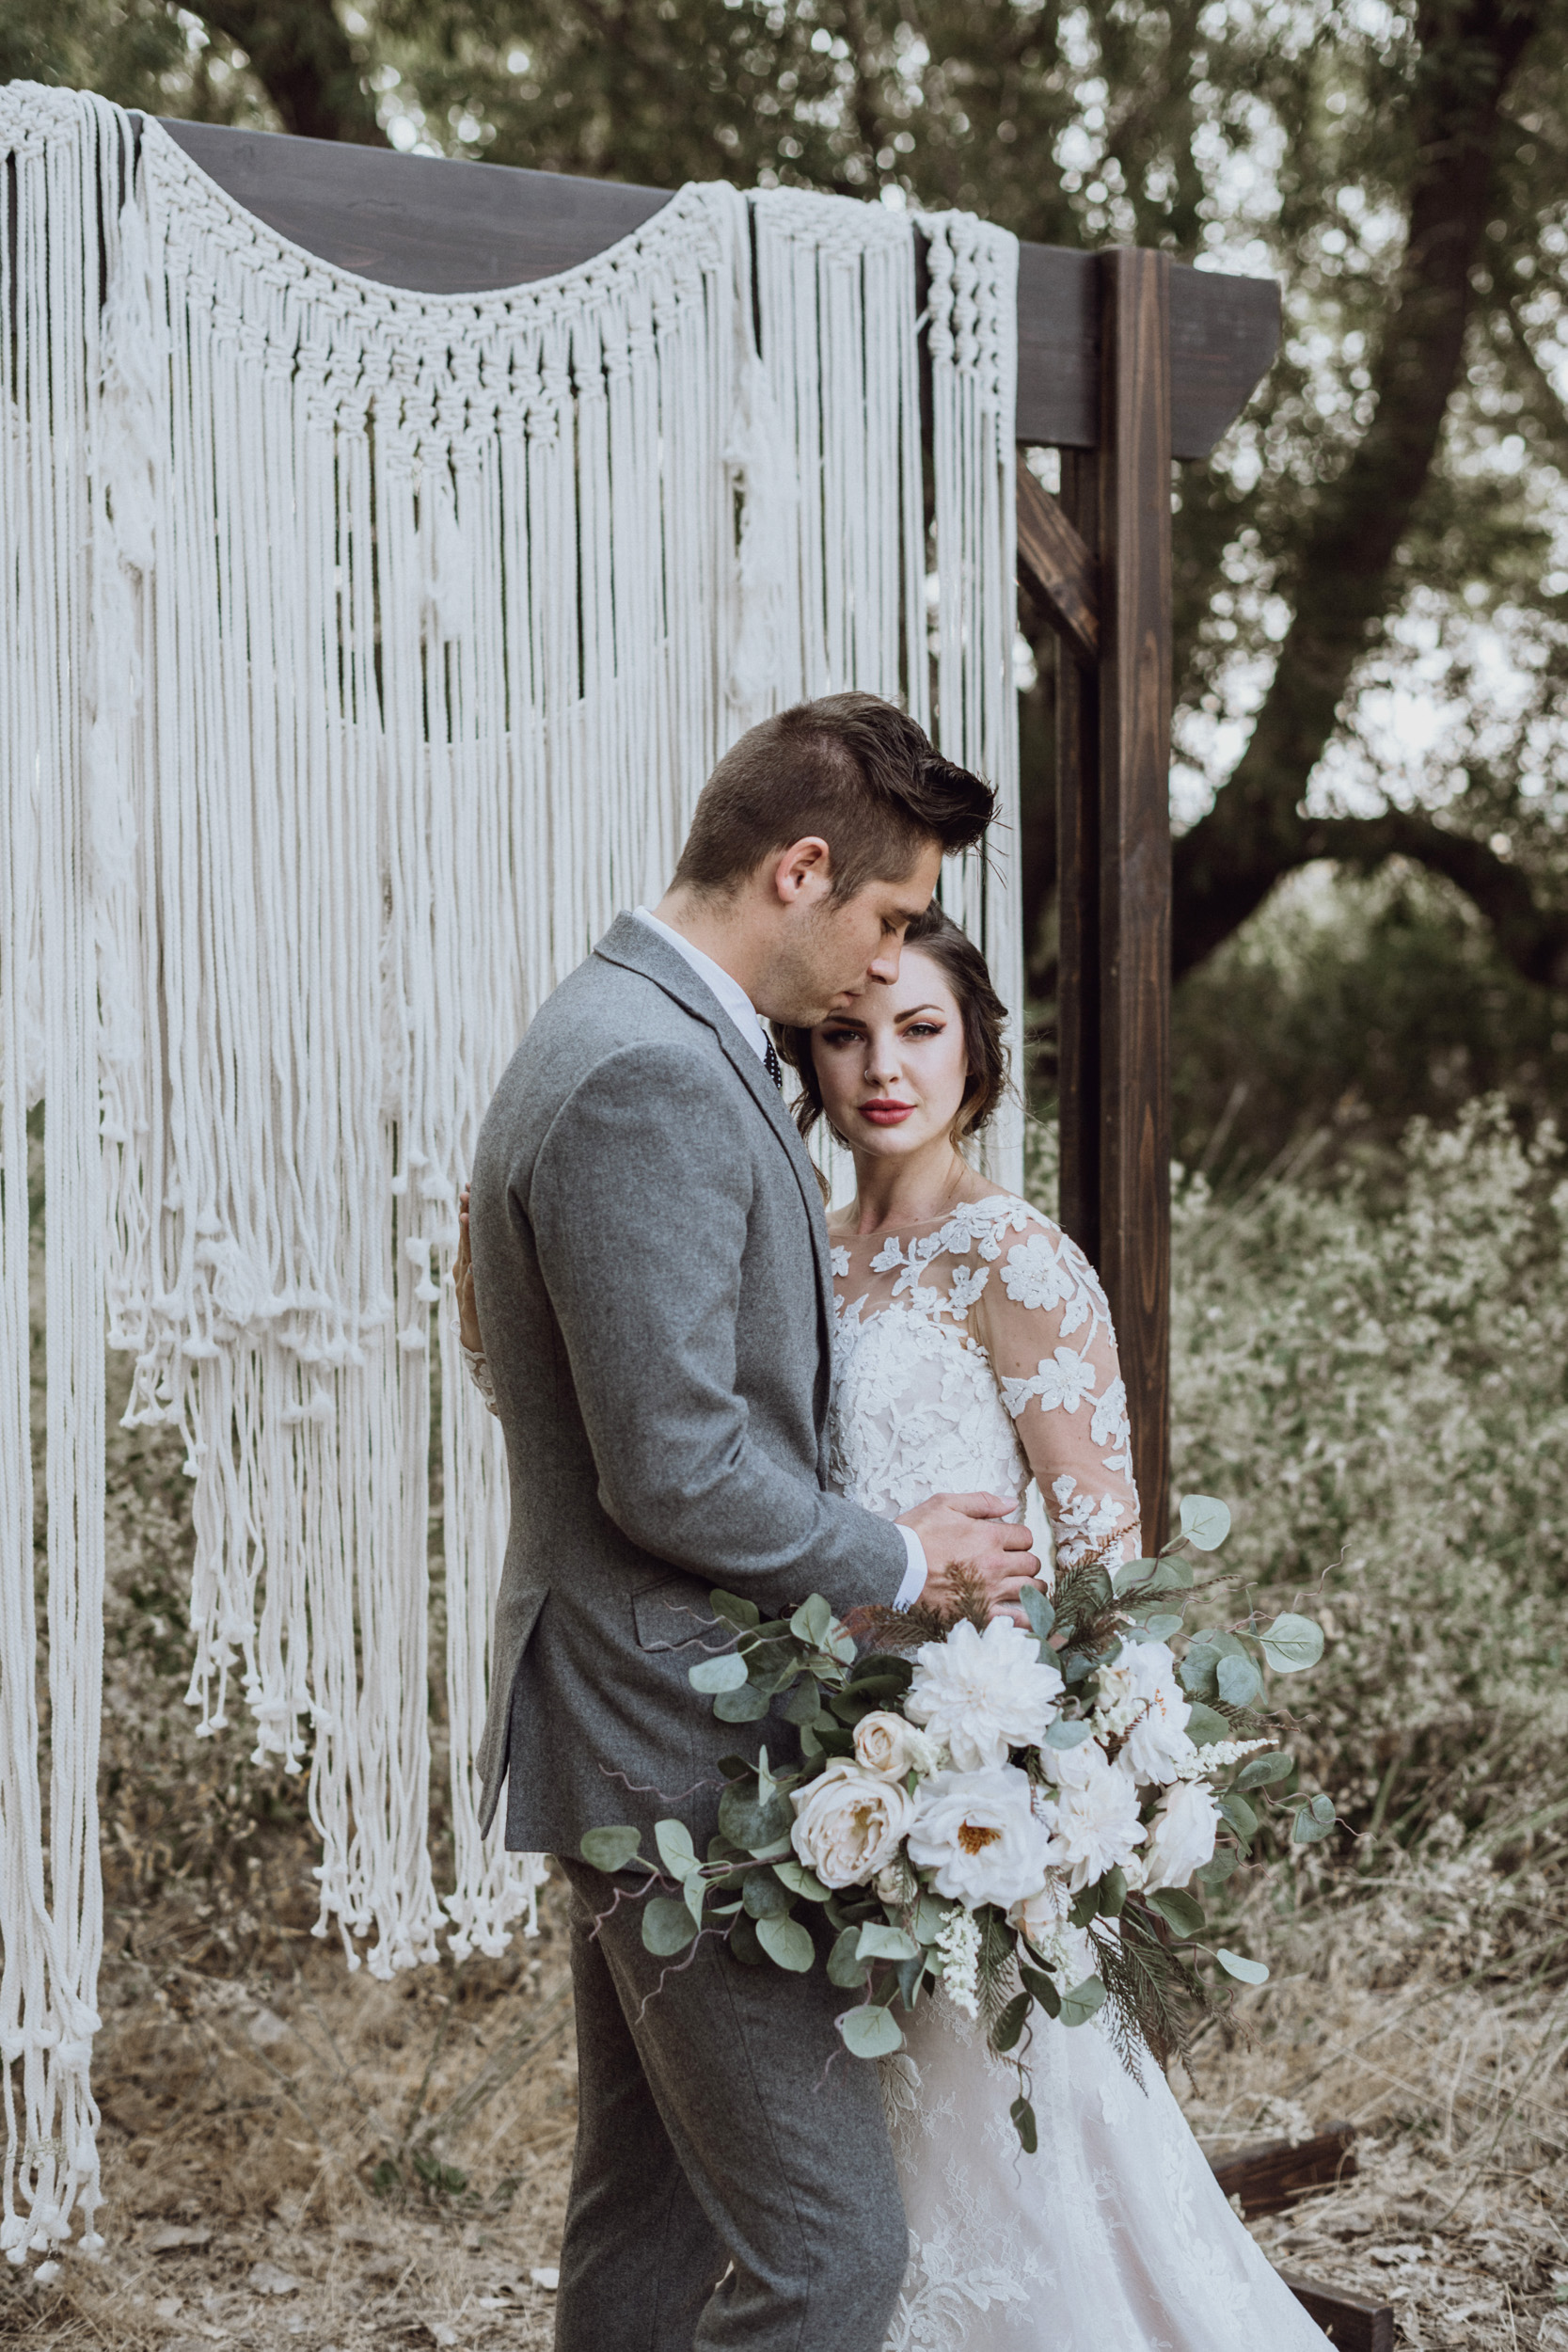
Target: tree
x: 1382, y: 523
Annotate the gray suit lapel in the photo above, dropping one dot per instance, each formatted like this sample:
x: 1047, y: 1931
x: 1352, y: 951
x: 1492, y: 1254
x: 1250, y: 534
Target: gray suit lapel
x: 639, y: 948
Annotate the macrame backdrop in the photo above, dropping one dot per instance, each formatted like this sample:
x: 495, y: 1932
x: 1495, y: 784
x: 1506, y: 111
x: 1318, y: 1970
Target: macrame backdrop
x: 361, y: 654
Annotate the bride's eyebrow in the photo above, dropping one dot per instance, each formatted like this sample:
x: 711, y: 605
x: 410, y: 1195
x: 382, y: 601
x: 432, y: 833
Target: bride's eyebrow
x: 915, y: 1010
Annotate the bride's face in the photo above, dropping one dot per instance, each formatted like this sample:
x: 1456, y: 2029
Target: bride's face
x: 892, y: 1066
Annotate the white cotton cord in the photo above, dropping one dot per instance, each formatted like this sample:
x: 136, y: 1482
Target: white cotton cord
x: 972, y: 333
x: 67, y: 855
x: 367, y: 653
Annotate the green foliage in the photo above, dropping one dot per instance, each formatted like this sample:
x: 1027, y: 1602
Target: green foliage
x: 1375, y: 1368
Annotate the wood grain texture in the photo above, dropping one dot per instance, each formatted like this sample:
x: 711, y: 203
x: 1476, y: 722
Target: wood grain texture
x: 1078, y: 985
x: 1134, y: 470
x: 1352, y: 2322
x: 1055, y: 565
x: 438, y: 227
x: 1272, y: 2174
x: 417, y: 221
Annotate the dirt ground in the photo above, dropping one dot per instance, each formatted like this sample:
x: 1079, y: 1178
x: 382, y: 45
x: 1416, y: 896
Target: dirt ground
x: 298, y: 2155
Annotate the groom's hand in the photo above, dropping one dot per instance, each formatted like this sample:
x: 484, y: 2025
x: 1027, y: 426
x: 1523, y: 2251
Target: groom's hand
x: 972, y: 1538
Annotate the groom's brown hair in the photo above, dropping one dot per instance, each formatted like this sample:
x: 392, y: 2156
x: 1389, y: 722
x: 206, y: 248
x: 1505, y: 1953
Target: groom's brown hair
x: 855, y: 771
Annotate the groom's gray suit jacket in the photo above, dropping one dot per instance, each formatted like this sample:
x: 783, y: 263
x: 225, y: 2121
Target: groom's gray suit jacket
x: 652, y: 1275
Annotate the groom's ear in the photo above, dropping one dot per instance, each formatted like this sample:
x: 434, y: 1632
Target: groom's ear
x: 802, y: 874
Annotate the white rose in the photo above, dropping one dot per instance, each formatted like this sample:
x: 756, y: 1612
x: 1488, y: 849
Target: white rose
x: 983, y: 1693
x: 1181, y: 1834
x: 1094, y: 1818
x: 1140, y: 1695
x: 886, y: 1743
x: 977, y: 1832
x: 1043, y: 1919
x: 849, y: 1822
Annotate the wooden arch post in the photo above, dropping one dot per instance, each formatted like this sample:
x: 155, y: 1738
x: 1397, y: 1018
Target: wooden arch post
x: 1126, y: 360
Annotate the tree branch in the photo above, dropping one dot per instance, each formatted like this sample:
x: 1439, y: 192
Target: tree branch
x: 305, y: 61
x: 1225, y: 867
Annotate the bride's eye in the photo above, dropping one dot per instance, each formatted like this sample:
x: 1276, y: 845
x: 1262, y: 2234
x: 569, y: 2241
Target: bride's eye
x: 925, y: 1028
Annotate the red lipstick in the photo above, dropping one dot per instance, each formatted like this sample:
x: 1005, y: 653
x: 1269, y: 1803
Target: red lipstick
x: 886, y: 1113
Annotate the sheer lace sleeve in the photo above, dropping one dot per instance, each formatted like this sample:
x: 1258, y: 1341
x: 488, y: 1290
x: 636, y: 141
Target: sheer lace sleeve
x: 479, y: 1373
x: 1044, y: 1322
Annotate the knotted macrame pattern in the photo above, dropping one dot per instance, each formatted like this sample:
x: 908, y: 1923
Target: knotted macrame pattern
x: 361, y: 654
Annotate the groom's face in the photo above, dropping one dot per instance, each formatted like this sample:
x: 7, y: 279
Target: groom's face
x: 832, y: 950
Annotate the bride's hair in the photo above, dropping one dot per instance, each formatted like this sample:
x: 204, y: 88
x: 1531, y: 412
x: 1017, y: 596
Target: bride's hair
x: 984, y: 1015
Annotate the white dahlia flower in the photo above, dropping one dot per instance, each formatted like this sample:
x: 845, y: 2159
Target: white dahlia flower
x: 978, y: 1834
x: 887, y: 1744
x: 1140, y: 1697
x: 849, y: 1822
x: 1181, y: 1834
x: 983, y: 1693
x: 1094, y: 1821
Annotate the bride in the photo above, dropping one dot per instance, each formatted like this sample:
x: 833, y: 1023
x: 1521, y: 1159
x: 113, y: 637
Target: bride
x: 974, y: 1350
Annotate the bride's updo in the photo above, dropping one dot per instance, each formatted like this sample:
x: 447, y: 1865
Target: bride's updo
x: 984, y: 1014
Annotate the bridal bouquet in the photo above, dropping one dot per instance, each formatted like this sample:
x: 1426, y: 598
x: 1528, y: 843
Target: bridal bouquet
x: 1020, y: 1817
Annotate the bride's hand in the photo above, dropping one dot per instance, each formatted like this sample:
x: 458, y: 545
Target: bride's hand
x: 463, y: 1283
x: 970, y: 1538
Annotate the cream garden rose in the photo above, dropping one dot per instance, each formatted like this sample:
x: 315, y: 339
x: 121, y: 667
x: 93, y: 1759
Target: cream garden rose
x: 886, y: 1743
x: 848, y: 1823
x: 1181, y: 1834
x: 977, y: 1835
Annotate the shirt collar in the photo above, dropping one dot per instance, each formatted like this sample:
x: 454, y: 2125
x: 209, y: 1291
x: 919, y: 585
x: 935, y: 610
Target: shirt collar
x: 714, y: 976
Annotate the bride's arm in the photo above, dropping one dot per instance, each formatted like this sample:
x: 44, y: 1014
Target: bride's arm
x: 468, y: 1314
x: 1045, y: 1322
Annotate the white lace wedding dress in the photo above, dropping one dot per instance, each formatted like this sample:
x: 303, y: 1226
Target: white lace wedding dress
x: 975, y: 1351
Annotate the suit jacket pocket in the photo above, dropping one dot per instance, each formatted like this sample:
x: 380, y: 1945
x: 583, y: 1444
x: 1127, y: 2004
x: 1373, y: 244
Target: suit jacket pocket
x: 671, y: 1614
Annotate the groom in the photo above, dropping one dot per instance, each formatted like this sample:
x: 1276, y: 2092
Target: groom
x: 651, y: 1269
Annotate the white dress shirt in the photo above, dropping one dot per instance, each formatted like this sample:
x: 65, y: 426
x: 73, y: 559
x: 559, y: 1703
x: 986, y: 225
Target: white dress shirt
x: 748, y: 1022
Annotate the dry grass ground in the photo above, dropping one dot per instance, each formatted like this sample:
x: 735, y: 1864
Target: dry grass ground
x: 298, y: 2156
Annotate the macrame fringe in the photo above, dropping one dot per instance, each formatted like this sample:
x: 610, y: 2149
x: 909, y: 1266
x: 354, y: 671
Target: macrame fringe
x: 368, y: 651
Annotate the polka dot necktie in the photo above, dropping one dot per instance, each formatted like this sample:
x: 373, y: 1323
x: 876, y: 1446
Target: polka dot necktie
x: 770, y: 1063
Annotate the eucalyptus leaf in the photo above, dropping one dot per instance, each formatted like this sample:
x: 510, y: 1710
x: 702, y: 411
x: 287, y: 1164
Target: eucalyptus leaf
x: 1292, y: 1643
x: 1023, y: 2123
x: 763, y: 1897
x: 1204, y: 1726
x: 930, y: 1915
x: 675, y: 1848
x: 788, y: 1943
x: 1198, y: 1673
x: 726, y: 1673
x: 871, y: 2033
x: 1038, y: 1608
x: 695, y: 1894
x: 1313, y: 1822
x: 1086, y: 1907
x: 1179, y: 1909
x: 1205, y: 1522
x: 610, y: 1849
x: 746, y: 1705
x: 1062, y: 1734
x: 912, y: 1976
x: 1224, y: 1863
x: 751, y: 1824
x: 1245, y: 1971
x: 1113, y: 1893
x: 1161, y: 1626
x: 742, y: 1614
x: 1010, y: 2025
x: 1133, y: 1575
x: 1264, y: 1771
x: 803, y: 1702
x: 881, y: 1940
x: 1043, y: 1989
x: 668, y: 1927
x: 1240, y: 1815
x: 1173, y: 1576
x: 1240, y: 1681
x: 813, y: 1622
x: 743, y: 1942
x: 1084, y: 2001
x: 842, y: 1646
x: 800, y: 1880
x: 844, y: 1969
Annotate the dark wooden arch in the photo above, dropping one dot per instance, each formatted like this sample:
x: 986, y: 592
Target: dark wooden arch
x: 1128, y: 361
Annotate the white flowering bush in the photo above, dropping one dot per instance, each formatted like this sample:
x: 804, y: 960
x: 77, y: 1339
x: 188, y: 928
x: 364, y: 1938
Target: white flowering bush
x: 1016, y: 1815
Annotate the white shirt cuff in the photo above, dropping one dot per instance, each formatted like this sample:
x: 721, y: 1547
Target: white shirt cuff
x: 914, y: 1575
